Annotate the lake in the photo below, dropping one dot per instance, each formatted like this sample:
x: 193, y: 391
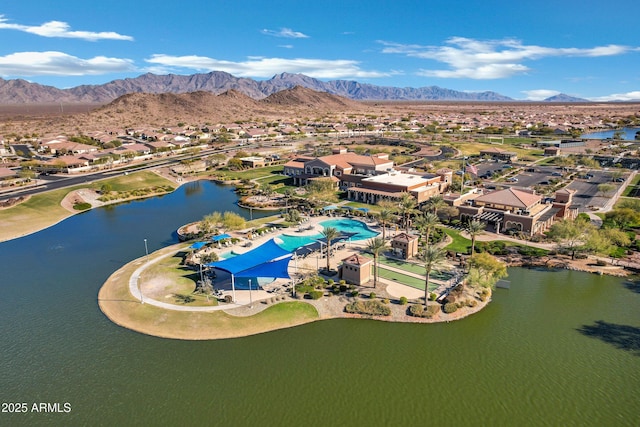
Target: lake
x: 628, y: 134
x: 557, y: 348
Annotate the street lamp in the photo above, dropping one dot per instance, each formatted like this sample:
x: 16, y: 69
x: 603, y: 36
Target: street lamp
x: 146, y: 259
x: 250, y: 297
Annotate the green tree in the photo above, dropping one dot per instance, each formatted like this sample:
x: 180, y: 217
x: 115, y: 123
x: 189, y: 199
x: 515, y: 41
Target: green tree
x: 374, y: 246
x: 330, y: 234
x: 322, y: 190
x: 407, y: 206
x: 385, y: 216
x: 485, y: 270
x: 432, y: 257
x: 623, y: 218
x: 425, y: 223
x: 233, y: 221
x: 234, y: 164
x: 435, y: 203
x: 605, y: 188
x: 571, y: 235
x: 105, y: 188
x: 209, y: 222
x: 474, y: 229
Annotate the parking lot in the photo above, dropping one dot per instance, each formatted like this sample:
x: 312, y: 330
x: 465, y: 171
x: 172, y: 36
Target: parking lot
x: 586, y: 198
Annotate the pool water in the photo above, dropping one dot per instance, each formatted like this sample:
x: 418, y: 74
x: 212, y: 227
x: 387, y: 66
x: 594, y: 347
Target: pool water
x: 362, y: 232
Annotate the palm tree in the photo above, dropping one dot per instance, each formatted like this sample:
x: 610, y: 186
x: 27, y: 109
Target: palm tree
x: 330, y: 234
x: 374, y: 246
x: 432, y: 257
x: 474, y: 228
x: 434, y: 203
x: 385, y: 216
x: 426, y: 223
x: 407, y: 206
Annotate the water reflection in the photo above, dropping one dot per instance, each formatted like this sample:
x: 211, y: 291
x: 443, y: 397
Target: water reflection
x: 623, y: 337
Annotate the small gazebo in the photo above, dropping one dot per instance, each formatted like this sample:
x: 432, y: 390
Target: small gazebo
x: 405, y: 245
x: 356, y: 269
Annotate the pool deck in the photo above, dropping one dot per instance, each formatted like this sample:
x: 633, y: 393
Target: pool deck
x: 297, y: 268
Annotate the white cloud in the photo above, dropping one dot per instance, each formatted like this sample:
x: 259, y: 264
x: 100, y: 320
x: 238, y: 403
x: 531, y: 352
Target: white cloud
x: 268, y: 67
x: 490, y: 59
x: 629, y: 96
x: 539, y: 94
x: 286, y: 46
x: 61, y: 29
x: 286, y: 33
x: 60, y: 64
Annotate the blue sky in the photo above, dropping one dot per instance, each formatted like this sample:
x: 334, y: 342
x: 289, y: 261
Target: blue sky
x: 525, y: 51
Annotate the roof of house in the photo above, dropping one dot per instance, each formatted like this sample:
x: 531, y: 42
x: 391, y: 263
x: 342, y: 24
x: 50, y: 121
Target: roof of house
x: 510, y: 197
x: 404, y: 237
x: 357, y: 259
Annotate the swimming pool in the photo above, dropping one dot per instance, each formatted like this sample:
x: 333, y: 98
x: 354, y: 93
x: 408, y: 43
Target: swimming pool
x: 362, y: 232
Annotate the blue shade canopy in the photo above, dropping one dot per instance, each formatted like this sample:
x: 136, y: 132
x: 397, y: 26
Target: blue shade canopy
x: 198, y: 245
x: 329, y: 208
x: 264, y: 253
x: 220, y: 237
x: 276, y: 269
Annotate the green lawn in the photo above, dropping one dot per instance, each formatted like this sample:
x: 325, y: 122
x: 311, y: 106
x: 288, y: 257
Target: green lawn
x: 133, y: 181
x: 251, y: 173
x: 404, y: 279
x: 459, y: 244
x: 631, y: 188
x: 407, y: 266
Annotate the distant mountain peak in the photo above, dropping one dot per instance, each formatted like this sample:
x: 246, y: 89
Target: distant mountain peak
x: 217, y: 82
x: 562, y: 97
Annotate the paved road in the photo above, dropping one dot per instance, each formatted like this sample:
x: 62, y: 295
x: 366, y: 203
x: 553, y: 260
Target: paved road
x: 56, y: 182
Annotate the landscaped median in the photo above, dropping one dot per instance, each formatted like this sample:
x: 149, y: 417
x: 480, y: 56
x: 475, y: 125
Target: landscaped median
x: 121, y: 307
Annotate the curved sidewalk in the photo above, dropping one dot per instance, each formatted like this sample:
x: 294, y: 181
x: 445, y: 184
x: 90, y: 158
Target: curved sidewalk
x: 134, y: 289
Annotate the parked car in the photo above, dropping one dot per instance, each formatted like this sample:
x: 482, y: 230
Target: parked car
x: 512, y: 179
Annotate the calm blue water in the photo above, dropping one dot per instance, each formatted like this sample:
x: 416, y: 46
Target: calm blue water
x: 362, y: 232
x: 629, y: 134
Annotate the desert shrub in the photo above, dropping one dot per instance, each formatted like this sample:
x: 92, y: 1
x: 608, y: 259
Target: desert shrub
x: 316, y: 294
x: 228, y: 298
x: 601, y: 263
x: 370, y: 307
x: 354, y: 293
x: 461, y: 304
x: 450, y: 299
x: 385, y: 301
x: 83, y: 206
x: 372, y: 295
x: 420, y: 311
x: 471, y: 303
x: 403, y: 301
x: 432, y: 296
x: 330, y: 282
x: 450, y: 307
x: 343, y: 288
x: 532, y: 252
x: 183, y: 298
x: 494, y: 247
x: 457, y: 291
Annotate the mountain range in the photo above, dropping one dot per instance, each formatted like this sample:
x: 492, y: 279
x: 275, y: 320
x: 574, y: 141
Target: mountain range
x: 18, y: 91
